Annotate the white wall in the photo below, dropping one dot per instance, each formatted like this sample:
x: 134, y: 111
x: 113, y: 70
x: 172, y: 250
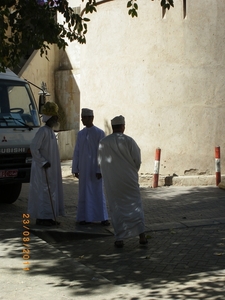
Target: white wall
x: 62, y: 81
x: 38, y: 69
x: 166, y: 76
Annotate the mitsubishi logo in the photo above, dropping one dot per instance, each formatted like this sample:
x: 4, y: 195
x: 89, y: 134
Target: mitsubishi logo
x: 4, y: 139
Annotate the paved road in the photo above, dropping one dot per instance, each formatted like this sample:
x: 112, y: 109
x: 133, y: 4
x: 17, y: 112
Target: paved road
x: 185, y: 257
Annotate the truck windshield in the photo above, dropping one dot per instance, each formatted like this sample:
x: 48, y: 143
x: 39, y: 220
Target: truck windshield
x: 17, y: 105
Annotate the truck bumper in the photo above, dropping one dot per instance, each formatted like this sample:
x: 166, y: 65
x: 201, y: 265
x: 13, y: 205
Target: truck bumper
x: 23, y: 176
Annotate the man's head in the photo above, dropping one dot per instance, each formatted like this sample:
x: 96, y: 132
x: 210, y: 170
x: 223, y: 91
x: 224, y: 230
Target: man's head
x: 87, y: 117
x: 118, y: 124
x: 50, y: 114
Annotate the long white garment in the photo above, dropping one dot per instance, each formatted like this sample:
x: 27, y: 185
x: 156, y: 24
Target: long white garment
x: 91, y: 200
x: 44, y: 149
x: 119, y: 158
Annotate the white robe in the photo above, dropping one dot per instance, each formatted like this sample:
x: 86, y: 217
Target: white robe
x: 44, y: 149
x: 119, y: 158
x: 91, y: 200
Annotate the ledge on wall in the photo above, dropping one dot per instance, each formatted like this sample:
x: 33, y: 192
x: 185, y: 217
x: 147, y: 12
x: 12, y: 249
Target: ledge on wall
x: 195, y: 180
x: 146, y: 180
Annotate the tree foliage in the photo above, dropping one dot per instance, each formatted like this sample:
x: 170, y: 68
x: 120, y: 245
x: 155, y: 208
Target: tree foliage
x: 27, y: 25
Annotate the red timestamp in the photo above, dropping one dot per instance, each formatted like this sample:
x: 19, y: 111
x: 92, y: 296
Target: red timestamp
x: 26, y: 241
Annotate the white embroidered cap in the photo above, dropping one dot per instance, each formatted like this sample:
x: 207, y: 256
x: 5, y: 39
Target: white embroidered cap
x: 86, y: 112
x: 119, y: 120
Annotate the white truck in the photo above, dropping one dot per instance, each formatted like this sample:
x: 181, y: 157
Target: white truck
x: 19, y: 121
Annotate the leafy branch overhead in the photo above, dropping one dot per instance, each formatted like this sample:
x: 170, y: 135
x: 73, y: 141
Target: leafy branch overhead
x: 133, y: 6
x: 27, y: 25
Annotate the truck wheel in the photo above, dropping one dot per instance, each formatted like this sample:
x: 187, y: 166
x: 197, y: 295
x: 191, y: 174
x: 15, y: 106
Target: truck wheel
x: 10, y: 192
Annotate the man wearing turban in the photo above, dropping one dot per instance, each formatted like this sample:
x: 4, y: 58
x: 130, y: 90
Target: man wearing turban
x: 120, y: 159
x: 45, y: 200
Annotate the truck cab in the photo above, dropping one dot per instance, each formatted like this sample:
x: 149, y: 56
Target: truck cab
x: 19, y: 121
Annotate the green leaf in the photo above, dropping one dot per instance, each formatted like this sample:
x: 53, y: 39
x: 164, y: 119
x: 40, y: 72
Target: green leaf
x: 129, y: 4
x: 171, y: 3
x: 134, y: 13
x: 34, y: 26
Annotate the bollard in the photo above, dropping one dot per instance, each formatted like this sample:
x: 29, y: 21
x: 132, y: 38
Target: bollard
x: 217, y: 165
x: 156, y: 168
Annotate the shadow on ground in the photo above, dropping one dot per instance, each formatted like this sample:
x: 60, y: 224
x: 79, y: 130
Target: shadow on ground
x: 187, y: 263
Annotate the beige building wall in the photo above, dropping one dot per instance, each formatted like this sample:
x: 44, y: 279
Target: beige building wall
x: 61, y: 76
x: 165, y: 75
x: 38, y: 69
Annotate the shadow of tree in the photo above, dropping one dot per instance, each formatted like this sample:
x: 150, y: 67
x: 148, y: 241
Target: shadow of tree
x: 178, y: 263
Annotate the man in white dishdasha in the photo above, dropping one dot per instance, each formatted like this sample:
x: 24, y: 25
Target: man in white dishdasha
x: 45, y: 201
x: 91, y: 200
x: 120, y: 159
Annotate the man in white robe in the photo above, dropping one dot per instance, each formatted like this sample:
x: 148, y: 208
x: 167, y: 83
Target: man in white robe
x: 45, y: 200
x: 91, y: 200
x: 120, y: 159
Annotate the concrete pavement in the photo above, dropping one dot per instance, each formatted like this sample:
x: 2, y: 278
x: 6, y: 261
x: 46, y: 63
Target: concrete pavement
x: 184, y: 259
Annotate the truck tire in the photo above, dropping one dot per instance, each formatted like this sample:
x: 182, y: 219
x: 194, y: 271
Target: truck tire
x: 10, y: 192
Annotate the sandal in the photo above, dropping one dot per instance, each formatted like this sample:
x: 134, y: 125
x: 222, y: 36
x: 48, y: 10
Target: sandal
x: 84, y: 223
x: 118, y: 244
x: 54, y: 222
x: 46, y: 222
x: 105, y: 223
x: 143, y: 241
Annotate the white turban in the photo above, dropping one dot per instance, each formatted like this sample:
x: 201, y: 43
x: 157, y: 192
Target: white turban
x: 86, y: 112
x: 119, y: 120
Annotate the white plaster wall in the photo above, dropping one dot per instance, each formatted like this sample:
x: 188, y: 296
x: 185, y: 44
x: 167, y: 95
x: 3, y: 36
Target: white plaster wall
x: 62, y: 81
x: 61, y: 73
x: 66, y: 141
x: 38, y: 69
x: 68, y: 95
x: 166, y: 76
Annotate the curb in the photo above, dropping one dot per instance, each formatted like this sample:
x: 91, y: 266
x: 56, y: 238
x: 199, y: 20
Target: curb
x: 146, y: 180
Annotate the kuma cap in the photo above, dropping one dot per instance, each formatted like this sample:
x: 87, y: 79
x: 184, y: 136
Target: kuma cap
x: 118, y: 120
x: 86, y: 112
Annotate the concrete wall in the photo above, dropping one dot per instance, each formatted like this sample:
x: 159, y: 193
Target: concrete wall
x: 68, y: 96
x: 38, y: 69
x: 165, y: 75
x: 62, y: 80
x: 66, y: 141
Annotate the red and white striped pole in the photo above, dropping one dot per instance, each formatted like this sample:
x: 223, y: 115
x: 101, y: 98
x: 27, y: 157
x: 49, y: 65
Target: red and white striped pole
x: 156, y: 168
x: 217, y: 165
